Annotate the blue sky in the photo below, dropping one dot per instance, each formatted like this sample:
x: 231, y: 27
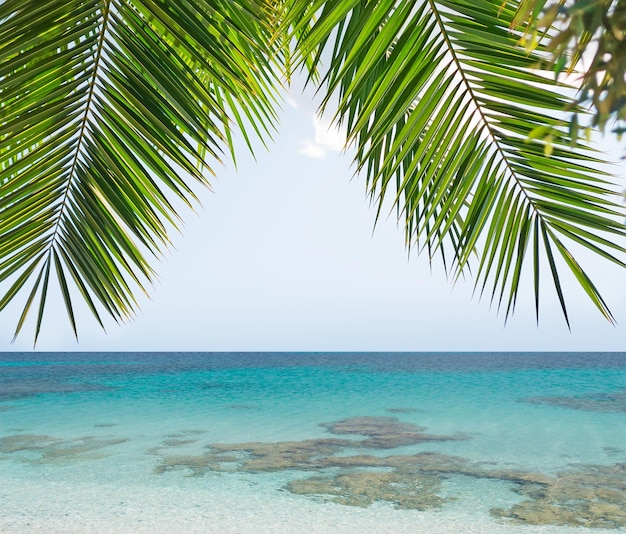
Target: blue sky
x: 282, y: 256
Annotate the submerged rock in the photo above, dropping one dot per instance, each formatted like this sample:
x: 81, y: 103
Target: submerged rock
x: 25, y: 442
x: 598, y: 402
x: 48, y: 449
x: 614, y: 451
x: 589, y: 496
x: 385, y: 432
x: 196, y: 465
x: 255, y: 457
x: 363, y: 488
x: 403, y: 410
x: 175, y: 442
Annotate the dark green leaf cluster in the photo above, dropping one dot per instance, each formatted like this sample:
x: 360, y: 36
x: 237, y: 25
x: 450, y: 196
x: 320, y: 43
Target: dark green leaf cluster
x: 585, y: 35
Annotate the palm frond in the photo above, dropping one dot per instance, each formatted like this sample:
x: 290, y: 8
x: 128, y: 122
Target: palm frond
x: 109, y: 111
x: 440, y: 102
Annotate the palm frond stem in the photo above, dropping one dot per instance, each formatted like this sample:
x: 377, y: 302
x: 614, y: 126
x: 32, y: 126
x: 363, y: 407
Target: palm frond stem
x: 460, y: 70
x: 105, y: 9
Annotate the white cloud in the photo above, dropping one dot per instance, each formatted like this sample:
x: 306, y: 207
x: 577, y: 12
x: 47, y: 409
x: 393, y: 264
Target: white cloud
x: 327, y: 138
x: 327, y: 135
x: 292, y: 102
x: 312, y: 150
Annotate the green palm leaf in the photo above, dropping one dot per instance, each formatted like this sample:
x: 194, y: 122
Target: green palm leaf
x: 439, y: 102
x: 110, y: 110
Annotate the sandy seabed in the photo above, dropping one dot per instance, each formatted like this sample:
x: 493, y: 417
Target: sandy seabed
x: 93, y: 509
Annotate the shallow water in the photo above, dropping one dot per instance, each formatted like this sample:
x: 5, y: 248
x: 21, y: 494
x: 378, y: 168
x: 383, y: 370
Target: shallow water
x: 244, y: 442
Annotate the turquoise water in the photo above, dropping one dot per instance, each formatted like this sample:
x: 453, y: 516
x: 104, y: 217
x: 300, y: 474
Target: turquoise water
x: 513, y: 441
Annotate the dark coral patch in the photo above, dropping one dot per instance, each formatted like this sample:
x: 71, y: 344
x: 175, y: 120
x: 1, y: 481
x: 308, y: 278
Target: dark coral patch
x: 385, y: 432
x: 19, y: 390
x: 403, y: 410
x: 597, y: 402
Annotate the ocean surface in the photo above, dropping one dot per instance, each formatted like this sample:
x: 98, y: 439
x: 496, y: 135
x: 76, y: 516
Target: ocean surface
x: 313, y: 442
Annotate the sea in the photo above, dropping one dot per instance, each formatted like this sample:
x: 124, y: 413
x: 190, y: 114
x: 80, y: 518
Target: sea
x: 313, y: 442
